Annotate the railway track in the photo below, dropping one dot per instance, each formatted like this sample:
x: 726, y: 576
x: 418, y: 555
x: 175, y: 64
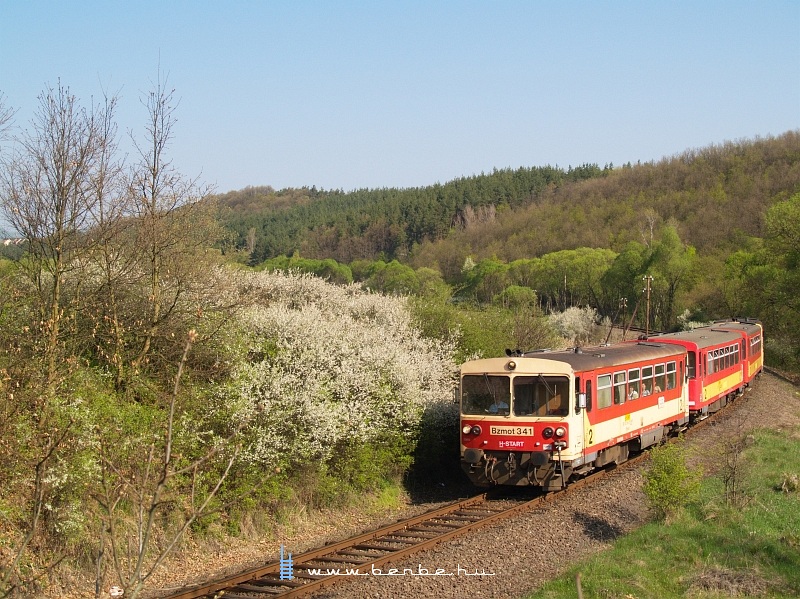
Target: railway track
x: 319, y: 568
x: 311, y: 571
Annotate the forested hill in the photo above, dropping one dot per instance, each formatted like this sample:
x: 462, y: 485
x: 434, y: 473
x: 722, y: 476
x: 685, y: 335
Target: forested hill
x: 387, y: 222
x: 714, y: 196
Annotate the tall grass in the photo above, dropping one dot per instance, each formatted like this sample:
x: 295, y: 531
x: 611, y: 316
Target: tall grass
x: 710, y: 550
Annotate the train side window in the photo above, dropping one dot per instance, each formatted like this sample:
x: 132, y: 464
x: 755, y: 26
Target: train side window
x: 647, y: 380
x: 619, y: 387
x: 603, y: 391
x: 710, y: 360
x: 690, y: 366
x: 589, y: 396
x: 660, y: 379
x: 671, y: 375
x: 634, y: 389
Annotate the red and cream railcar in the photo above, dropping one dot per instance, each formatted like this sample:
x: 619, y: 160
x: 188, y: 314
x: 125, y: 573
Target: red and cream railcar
x: 752, y: 351
x: 541, y: 417
x: 715, y: 367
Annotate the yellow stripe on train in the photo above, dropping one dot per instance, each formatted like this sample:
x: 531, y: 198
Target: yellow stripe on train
x: 755, y: 366
x: 722, y: 386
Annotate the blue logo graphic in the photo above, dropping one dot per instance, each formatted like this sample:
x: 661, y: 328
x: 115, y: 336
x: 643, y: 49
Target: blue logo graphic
x: 287, y: 569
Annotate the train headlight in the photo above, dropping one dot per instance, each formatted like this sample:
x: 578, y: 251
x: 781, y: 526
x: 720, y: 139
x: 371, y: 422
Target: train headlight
x: 547, y: 432
x: 466, y: 429
x: 561, y: 431
x: 476, y: 430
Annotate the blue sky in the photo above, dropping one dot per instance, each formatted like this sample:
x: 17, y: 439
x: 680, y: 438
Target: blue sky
x: 348, y: 95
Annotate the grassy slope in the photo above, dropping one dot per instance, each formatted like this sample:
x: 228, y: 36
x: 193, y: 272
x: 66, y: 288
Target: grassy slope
x: 711, y: 550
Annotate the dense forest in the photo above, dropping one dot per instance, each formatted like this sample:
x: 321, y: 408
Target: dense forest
x: 714, y: 196
x: 367, y: 224
x: 696, y: 224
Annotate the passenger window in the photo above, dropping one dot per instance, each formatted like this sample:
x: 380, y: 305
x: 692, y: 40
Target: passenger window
x: 671, y: 375
x: 619, y: 387
x: 603, y: 391
x: 660, y: 379
x: 634, y: 389
x: 647, y: 380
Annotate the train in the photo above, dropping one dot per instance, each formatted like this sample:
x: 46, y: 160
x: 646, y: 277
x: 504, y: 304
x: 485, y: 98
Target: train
x: 542, y: 418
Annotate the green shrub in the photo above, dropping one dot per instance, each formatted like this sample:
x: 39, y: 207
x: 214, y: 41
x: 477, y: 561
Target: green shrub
x: 669, y: 484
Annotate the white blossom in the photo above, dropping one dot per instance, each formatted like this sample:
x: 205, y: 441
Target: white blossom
x: 328, y: 363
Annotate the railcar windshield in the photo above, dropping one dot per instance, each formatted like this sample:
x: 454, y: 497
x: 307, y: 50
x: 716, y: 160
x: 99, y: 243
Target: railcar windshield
x: 485, y: 394
x: 541, y: 396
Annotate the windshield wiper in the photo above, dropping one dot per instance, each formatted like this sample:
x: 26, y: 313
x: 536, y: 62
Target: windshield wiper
x: 489, y: 388
x: 547, y: 386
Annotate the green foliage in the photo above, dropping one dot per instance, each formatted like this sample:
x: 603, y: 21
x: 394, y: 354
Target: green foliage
x: 485, y: 331
x: 484, y: 280
x: 354, y: 470
x: 327, y: 269
x: 392, y: 279
x: 432, y: 285
x: 668, y: 482
x: 516, y: 297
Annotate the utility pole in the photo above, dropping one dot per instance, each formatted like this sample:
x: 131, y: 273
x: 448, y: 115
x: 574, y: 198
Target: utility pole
x: 623, y: 306
x: 647, y: 281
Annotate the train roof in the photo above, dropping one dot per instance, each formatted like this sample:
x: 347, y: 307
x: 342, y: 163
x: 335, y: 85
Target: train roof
x: 590, y: 358
x: 749, y: 327
x: 702, y: 337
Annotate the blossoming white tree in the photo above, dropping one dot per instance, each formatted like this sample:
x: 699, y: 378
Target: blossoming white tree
x: 328, y: 364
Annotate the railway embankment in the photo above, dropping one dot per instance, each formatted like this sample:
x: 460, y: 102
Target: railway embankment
x: 516, y: 556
